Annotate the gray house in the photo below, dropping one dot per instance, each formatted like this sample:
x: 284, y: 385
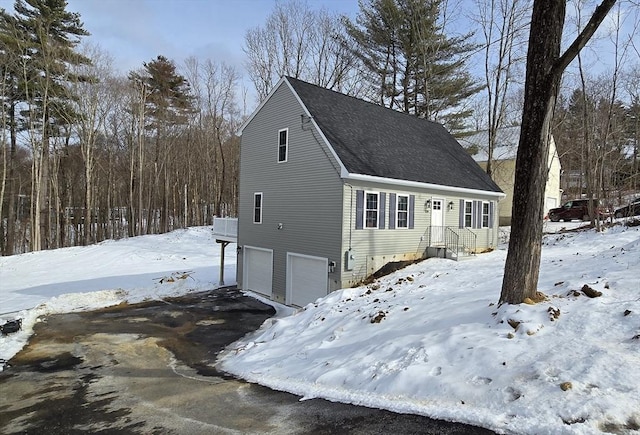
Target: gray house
x: 332, y: 188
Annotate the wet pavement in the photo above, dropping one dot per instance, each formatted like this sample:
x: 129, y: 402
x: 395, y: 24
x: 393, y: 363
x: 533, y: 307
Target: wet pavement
x: 149, y: 369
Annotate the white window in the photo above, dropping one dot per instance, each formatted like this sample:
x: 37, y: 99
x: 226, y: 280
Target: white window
x: 283, y: 144
x: 485, y: 215
x: 468, y: 214
x: 402, y: 211
x: 371, y: 201
x: 257, y: 208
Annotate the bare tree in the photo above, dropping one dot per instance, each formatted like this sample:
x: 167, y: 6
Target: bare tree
x: 632, y: 87
x: 503, y: 26
x: 214, y: 86
x: 545, y: 65
x: 93, y: 106
x: 300, y: 42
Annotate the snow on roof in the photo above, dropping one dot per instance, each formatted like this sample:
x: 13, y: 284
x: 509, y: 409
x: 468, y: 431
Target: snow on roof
x: 506, y: 143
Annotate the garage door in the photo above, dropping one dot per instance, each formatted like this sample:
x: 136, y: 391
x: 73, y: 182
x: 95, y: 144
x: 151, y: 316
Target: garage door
x: 307, y: 279
x: 257, y: 270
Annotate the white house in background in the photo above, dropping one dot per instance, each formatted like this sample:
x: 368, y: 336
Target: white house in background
x: 332, y: 188
x: 504, y: 167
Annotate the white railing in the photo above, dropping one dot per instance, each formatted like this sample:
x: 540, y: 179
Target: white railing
x: 227, y: 227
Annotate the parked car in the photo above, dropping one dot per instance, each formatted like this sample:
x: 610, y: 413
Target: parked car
x: 631, y: 209
x: 577, y: 209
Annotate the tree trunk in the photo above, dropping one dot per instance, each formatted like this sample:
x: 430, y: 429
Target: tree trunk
x: 544, y: 71
x: 541, y: 87
x: 13, y: 192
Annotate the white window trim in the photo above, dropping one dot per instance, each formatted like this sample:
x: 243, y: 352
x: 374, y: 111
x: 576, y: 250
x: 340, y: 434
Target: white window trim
x: 470, y: 214
x: 488, y: 214
x: 261, y: 207
x: 365, y: 209
x: 398, y: 211
x: 286, y: 146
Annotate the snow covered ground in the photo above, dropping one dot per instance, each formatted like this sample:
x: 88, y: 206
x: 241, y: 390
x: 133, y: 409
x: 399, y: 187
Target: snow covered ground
x: 428, y: 339
x: 109, y: 273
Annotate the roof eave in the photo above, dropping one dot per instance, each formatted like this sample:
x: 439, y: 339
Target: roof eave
x: 421, y: 185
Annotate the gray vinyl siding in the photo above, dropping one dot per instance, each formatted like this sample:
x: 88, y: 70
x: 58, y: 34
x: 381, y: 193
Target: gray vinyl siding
x: 375, y: 247
x: 304, y: 194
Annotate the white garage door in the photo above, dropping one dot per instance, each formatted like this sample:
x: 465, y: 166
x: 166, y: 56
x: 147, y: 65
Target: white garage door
x: 307, y: 278
x: 257, y: 270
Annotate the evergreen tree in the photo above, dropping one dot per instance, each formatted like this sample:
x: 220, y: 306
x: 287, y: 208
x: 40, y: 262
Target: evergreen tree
x: 168, y: 102
x: 41, y: 38
x: 11, y: 48
x: 53, y: 34
x: 411, y: 63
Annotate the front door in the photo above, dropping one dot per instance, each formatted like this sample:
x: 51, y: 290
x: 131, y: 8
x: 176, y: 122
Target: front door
x: 437, y: 221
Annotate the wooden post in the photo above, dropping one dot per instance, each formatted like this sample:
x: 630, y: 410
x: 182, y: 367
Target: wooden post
x: 223, y: 245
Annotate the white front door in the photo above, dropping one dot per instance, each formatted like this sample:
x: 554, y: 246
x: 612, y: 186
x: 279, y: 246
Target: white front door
x: 437, y: 221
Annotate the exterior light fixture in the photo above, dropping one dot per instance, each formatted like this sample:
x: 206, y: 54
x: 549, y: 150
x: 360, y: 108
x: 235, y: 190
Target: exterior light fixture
x: 427, y: 205
x: 450, y: 205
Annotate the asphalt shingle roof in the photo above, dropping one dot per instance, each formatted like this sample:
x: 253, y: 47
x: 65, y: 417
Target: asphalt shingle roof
x: 373, y: 140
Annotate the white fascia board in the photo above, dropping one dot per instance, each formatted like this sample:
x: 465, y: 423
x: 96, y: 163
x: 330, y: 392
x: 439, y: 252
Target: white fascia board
x: 420, y: 185
x: 343, y: 170
x: 255, y: 112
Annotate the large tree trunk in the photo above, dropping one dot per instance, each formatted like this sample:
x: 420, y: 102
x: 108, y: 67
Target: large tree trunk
x: 544, y: 71
x: 541, y: 88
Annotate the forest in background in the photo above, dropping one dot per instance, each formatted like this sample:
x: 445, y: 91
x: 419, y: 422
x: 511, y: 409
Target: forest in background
x: 91, y: 154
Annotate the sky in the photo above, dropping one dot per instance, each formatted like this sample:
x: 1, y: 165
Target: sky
x: 428, y: 339
x: 137, y: 31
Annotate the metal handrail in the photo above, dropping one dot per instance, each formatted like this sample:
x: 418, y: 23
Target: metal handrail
x: 469, y: 241
x: 453, y: 241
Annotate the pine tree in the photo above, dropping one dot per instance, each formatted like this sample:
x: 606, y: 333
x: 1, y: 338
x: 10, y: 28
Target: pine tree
x: 43, y: 36
x: 410, y: 61
x: 53, y: 35
x: 169, y: 103
x: 12, y: 94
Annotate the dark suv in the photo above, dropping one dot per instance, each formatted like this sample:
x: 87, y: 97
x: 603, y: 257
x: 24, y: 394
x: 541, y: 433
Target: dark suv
x: 576, y: 209
x: 632, y: 209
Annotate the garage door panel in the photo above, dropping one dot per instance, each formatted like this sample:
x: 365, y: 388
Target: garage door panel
x: 258, y: 270
x: 307, y: 278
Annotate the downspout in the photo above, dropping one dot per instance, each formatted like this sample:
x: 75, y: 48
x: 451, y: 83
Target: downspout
x: 350, y: 214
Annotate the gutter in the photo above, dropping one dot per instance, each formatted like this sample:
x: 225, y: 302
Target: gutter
x: 420, y: 185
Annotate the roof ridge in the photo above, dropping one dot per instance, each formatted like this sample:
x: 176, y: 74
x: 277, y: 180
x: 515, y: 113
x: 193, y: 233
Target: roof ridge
x: 371, y: 103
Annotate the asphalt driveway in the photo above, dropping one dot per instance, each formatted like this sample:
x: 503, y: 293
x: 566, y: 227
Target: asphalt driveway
x: 148, y: 368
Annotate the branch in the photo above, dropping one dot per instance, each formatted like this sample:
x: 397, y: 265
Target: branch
x: 581, y: 40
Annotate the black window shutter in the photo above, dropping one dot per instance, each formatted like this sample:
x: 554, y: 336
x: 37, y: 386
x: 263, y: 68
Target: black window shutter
x: 412, y: 203
x: 477, y: 218
x: 392, y: 211
x: 381, y: 210
x: 461, y: 214
x: 359, y: 209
